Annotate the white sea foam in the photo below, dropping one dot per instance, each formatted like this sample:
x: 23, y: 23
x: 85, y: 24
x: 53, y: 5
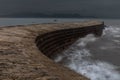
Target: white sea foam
x: 79, y: 58
x: 112, y: 31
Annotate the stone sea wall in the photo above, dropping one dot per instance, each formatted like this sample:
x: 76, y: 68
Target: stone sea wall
x: 57, y: 41
x: 24, y: 49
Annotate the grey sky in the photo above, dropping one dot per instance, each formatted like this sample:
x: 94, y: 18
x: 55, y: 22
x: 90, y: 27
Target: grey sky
x: 83, y: 7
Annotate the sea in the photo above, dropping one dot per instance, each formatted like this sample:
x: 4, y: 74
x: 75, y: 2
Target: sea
x: 97, y: 58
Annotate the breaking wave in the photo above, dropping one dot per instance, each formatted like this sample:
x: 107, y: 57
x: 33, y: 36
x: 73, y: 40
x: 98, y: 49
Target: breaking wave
x: 80, y: 56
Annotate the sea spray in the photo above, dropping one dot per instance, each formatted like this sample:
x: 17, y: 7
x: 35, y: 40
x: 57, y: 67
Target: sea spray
x: 79, y: 57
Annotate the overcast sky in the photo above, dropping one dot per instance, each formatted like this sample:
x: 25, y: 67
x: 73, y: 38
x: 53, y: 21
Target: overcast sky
x: 84, y: 7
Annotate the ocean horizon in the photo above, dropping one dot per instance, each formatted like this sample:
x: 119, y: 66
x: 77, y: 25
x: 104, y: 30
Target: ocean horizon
x: 26, y: 21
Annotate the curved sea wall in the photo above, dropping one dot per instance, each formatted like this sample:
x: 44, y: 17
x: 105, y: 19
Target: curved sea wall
x: 24, y: 50
x: 57, y: 41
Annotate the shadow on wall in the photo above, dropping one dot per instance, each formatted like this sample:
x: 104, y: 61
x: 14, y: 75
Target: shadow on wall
x: 57, y: 41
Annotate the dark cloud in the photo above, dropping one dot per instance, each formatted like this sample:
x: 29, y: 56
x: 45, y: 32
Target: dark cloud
x: 100, y: 8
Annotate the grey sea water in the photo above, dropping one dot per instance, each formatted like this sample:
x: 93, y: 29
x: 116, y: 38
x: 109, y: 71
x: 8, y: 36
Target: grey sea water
x: 96, y: 58
x: 25, y: 21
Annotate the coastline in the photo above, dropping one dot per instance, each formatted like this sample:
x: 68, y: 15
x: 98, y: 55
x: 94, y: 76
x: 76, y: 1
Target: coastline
x: 20, y: 58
